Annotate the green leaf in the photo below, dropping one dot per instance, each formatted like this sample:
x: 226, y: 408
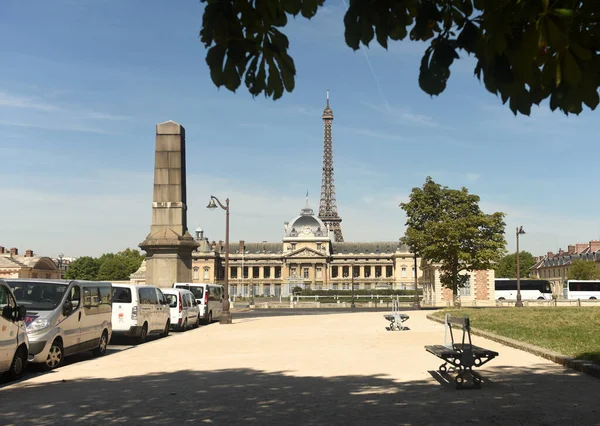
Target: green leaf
x: 565, y: 13
x: 274, y: 83
x: 292, y: 7
x: 309, y: 7
x: 214, y: 59
x: 580, y: 52
x: 231, y: 78
x: 352, y: 29
x: 468, y: 37
x: 366, y: 31
x: 572, y: 72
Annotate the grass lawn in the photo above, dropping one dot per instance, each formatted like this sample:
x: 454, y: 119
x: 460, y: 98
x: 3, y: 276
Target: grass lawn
x: 571, y: 331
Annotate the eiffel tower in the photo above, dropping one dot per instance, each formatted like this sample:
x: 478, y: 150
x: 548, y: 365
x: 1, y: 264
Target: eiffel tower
x: 328, y: 207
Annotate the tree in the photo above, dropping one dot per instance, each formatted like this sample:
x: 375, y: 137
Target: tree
x: 83, y: 268
x: 526, y: 51
x: 115, y: 268
x: 446, y: 226
x: 507, y: 267
x: 583, y: 270
x: 133, y: 259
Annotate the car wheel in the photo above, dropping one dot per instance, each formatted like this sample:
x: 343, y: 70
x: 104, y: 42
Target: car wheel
x: 209, y: 317
x: 197, y: 324
x: 144, y: 335
x: 17, y: 367
x: 184, y: 325
x: 101, y: 349
x: 55, y: 355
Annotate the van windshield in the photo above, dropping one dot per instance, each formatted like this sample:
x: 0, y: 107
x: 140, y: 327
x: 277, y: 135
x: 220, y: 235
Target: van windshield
x: 172, y: 299
x: 38, y: 296
x: 121, y: 295
x: 198, y: 292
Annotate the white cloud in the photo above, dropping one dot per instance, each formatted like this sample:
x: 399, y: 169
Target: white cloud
x: 26, y: 102
x: 373, y: 133
x: 473, y: 177
x: 402, y: 114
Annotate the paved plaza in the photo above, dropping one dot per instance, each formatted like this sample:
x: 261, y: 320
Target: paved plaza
x: 336, y: 369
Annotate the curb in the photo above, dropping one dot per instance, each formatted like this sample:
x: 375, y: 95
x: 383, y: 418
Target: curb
x: 580, y: 365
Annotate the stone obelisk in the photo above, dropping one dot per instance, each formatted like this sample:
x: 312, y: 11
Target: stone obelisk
x: 169, y: 245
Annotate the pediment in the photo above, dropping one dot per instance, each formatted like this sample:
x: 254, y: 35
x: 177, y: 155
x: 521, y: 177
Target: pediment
x: 305, y: 252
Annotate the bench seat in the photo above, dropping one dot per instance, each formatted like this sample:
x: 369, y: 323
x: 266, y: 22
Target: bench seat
x: 478, y: 351
x: 441, y: 350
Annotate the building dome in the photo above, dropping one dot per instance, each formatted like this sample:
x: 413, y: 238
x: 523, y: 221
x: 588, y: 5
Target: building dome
x: 306, y: 225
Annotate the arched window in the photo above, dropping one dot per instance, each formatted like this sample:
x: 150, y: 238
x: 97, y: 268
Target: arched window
x: 206, y: 271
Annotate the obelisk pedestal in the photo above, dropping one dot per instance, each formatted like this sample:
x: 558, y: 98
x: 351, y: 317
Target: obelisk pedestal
x: 169, y: 245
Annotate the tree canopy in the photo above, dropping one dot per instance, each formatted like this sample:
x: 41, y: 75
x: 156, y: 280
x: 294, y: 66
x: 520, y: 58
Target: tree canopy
x: 526, y: 51
x: 507, y: 267
x: 108, y: 267
x: 583, y: 270
x: 446, y: 226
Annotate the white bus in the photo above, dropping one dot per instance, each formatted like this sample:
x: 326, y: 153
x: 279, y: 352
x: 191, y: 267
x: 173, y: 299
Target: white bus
x: 581, y: 289
x: 506, y: 289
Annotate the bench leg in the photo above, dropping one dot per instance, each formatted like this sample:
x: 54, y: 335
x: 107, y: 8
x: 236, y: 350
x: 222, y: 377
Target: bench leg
x: 468, y: 379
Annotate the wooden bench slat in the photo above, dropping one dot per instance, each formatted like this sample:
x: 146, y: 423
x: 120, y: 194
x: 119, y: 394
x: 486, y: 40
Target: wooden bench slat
x: 477, y: 350
x: 440, y: 350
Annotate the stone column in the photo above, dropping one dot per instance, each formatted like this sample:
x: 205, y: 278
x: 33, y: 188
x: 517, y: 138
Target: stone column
x: 169, y: 245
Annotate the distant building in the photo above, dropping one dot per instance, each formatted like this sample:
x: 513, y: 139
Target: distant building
x: 29, y: 265
x: 554, y: 267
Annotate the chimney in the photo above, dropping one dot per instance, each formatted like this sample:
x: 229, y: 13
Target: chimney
x: 579, y: 247
x: 550, y: 255
x: 28, y: 253
x: 594, y: 245
x: 14, y: 251
x: 242, y: 246
x: 2, y: 250
x: 571, y: 249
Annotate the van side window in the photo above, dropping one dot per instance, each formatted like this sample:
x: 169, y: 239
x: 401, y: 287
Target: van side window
x: 6, y: 301
x: 75, y: 297
x: 148, y: 296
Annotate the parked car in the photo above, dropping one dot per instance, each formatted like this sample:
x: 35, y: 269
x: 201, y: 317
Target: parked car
x: 185, y: 312
x: 14, y: 344
x: 64, y: 317
x: 209, y: 298
x: 139, y: 311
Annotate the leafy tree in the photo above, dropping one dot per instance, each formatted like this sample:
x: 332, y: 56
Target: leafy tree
x: 83, y: 268
x: 132, y: 258
x: 446, y: 226
x: 507, y: 267
x: 114, y: 269
x: 583, y: 270
x: 526, y: 51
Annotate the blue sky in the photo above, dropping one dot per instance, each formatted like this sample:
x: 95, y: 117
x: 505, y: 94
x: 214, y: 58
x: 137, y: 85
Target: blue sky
x: 83, y: 83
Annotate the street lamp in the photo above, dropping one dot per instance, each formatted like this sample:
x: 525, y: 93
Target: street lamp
x: 225, y: 317
x: 416, y: 304
x: 60, y: 258
x: 519, y: 303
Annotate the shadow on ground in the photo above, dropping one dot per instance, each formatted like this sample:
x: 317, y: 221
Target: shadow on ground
x: 239, y: 396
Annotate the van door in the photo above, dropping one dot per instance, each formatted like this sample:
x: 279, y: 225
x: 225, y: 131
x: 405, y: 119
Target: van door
x: 163, y: 312
x: 148, y: 307
x: 9, y: 329
x: 73, y: 316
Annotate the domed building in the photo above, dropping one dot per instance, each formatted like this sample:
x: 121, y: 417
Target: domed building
x: 306, y: 257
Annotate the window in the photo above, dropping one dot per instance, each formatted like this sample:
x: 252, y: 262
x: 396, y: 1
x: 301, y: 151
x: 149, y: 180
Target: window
x: 334, y: 272
x: 356, y: 271
x: 91, y: 297
x: 196, y: 276
x: 377, y: 271
x: 367, y: 286
x: 293, y: 272
x: 6, y: 298
x: 267, y: 289
x: 245, y: 272
x: 345, y: 286
x: 335, y: 286
x: 267, y: 271
x: 278, y: 272
x: 466, y: 290
x: 305, y: 273
x: 233, y: 272
x: 388, y: 271
x: 206, y: 271
x: 367, y: 271
x: 319, y: 273
x: 255, y: 271
x: 75, y: 297
x: 121, y: 295
x: 293, y: 246
x: 413, y: 272
x: 319, y: 246
x: 148, y: 296
x: 345, y: 271
x: 404, y: 272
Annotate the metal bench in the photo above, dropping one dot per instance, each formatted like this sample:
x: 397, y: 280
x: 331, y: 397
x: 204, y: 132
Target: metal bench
x: 461, y: 357
x: 396, y: 318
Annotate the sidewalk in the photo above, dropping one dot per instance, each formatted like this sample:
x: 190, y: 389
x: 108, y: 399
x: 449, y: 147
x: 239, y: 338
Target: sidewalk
x: 336, y: 369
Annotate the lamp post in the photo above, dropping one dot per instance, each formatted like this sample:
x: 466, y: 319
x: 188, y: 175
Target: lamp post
x: 519, y: 303
x: 60, y: 263
x: 416, y: 304
x: 226, y: 314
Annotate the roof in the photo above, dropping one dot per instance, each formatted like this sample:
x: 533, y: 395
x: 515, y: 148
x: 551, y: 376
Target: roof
x: 20, y: 261
x: 257, y: 248
x: 369, y: 247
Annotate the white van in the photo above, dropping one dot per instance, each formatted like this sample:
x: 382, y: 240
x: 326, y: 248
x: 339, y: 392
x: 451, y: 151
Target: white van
x: 139, y: 311
x: 185, y: 312
x: 14, y: 344
x: 64, y: 317
x: 209, y: 298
